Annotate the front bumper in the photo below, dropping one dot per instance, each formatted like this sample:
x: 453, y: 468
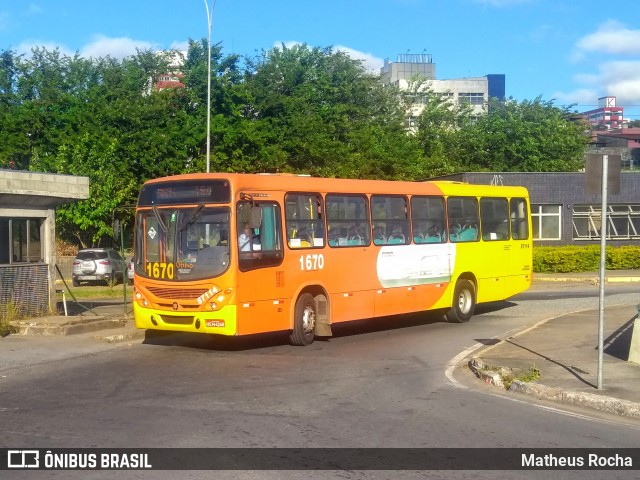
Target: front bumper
x: 220, y: 322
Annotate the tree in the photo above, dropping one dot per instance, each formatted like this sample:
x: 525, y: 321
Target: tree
x: 326, y: 116
x: 527, y: 136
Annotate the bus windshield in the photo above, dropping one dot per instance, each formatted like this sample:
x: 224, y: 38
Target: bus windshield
x: 182, y: 243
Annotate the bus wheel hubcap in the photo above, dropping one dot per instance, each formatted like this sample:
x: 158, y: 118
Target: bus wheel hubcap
x: 308, y: 320
x: 464, y: 301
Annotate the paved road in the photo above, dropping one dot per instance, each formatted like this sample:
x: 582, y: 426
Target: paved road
x: 380, y: 384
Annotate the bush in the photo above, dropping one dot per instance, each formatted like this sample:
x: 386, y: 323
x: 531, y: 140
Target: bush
x: 584, y: 258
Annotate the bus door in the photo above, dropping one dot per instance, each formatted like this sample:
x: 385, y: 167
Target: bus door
x: 261, y: 295
x: 496, y: 248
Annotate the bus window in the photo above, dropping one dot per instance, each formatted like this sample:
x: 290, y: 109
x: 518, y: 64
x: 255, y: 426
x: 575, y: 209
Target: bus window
x: 390, y: 219
x: 259, y: 235
x: 347, y: 220
x: 428, y: 220
x: 495, y: 219
x: 462, y: 215
x: 519, y: 225
x: 304, y: 220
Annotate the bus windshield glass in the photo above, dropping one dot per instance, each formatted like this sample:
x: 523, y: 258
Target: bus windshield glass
x: 188, y: 243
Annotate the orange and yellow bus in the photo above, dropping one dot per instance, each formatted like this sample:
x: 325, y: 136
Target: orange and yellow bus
x: 239, y: 254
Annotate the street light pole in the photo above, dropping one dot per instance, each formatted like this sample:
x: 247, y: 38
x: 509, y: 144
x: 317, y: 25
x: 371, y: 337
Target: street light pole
x: 209, y: 24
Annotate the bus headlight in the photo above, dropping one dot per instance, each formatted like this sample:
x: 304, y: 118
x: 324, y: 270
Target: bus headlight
x: 140, y: 298
x: 213, y: 305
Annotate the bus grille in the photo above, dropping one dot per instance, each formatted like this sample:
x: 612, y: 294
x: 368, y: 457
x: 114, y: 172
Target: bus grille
x: 177, y: 293
x: 176, y: 320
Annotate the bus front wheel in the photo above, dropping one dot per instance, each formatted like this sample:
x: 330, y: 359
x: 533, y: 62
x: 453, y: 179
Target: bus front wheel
x: 464, y: 302
x: 304, y: 321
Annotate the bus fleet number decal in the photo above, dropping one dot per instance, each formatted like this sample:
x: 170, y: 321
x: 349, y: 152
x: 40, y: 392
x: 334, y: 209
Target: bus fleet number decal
x: 160, y: 270
x: 312, y: 262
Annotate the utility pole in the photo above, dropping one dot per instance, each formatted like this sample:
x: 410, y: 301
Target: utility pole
x: 209, y: 25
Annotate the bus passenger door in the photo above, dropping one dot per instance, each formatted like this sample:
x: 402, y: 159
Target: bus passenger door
x: 261, y: 304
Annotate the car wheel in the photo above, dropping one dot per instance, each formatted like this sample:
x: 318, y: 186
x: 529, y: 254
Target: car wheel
x: 75, y: 282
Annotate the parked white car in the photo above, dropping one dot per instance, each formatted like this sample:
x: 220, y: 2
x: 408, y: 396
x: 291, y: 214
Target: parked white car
x: 130, y: 271
x: 97, y: 265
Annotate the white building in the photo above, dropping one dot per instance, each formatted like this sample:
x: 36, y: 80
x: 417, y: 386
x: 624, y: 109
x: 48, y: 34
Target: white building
x: 474, y: 91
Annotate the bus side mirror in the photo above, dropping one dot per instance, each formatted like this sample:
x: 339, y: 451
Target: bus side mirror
x: 256, y: 217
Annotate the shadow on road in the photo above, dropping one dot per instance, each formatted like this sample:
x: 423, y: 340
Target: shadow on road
x: 266, y: 340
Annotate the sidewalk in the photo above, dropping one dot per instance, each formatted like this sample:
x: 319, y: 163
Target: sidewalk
x: 564, y: 352
x: 611, y: 276
x: 104, y: 319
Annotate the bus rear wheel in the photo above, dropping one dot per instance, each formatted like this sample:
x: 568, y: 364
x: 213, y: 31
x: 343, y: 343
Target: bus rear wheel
x: 464, y: 302
x: 304, y: 321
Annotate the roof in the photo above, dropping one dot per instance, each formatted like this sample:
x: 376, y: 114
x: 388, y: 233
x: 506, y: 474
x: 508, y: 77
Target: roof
x: 20, y: 189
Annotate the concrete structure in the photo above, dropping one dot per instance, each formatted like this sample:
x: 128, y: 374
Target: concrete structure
x: 564, y: 213
x: 27, y: 237
x: 475, y: 91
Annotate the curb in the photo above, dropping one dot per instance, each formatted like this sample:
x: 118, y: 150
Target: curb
x: 122, y: 337
x: 492, y: 375
x: 602, y: 403
x: 590, y: 280
x: 69, y: 326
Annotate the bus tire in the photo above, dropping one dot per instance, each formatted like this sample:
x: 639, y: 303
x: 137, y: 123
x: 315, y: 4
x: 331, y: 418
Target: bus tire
x: 304, y: 321
x: 464, y: 302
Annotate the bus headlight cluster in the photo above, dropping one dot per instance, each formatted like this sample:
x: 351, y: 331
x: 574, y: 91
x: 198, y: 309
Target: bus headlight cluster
x: 140, y: 298
x: 219, y: 301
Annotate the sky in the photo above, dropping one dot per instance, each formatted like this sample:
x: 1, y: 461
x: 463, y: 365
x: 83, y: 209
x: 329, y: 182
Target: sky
x: 571, y: 52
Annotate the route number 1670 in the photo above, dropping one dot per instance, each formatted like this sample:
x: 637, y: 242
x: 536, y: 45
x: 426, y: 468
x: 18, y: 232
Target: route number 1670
x: 312, y: 262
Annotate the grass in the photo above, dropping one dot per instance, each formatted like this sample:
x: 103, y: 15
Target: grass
x: 11, y: 314
x: 87, y: 292
x: 531, y: 376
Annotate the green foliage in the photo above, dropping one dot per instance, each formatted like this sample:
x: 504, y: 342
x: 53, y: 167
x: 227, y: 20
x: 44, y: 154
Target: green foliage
x: 586, y: 258
x: 8, y: 314
x: 291, y: 109
x: 508, y: 376
x: 326, y: 116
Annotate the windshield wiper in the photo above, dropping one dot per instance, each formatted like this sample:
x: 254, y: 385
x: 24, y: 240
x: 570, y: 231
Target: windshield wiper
x: 194, y: 216
x: 161, y: 221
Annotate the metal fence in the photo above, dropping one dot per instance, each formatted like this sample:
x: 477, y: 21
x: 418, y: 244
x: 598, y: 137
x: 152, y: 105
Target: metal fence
x: 65, y: 264
x: 24, y: 290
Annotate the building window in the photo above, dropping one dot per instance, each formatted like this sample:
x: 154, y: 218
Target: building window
x: 471, y: 98
x: 547, y: 221
x: 20, y: 240
x: 623, y: 222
